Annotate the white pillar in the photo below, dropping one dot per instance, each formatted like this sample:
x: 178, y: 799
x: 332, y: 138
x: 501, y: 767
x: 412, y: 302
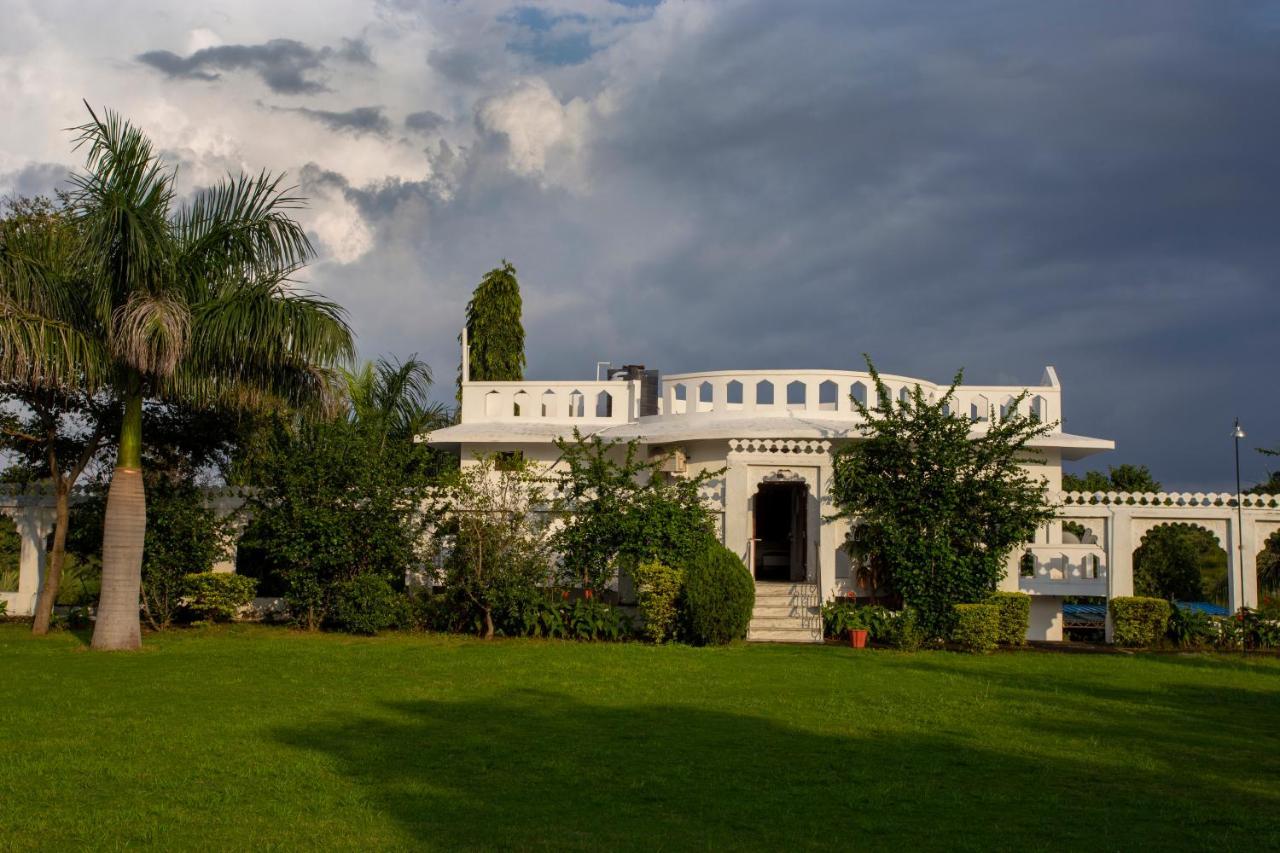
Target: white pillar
x: 1237, y: 557
x: 736, y: 530
x: 33, y: 523
x: 1119, y: 528
x: 1046, y: 618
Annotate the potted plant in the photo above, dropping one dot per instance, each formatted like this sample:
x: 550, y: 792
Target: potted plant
x: 856, y: 624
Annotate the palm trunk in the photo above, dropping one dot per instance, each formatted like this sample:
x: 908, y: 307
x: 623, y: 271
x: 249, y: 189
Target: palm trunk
x: 53, y: 571
x: 123, y: 530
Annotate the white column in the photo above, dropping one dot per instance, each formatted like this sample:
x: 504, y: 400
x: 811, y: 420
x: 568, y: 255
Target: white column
x: 736, y: 530
x: 1237, y: 558
x: 33, y: 523
x: 1119, y: 528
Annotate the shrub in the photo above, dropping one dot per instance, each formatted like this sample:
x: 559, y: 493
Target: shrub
x: 900, y: 630
x: 217, y: 596
x: 365, y: 604
x: 977, y: 627
x: 1015, y: 616
x: 1191, y: 628
x: 718, y: 598
x: 658, y: 589
x: 1139, y: 621
x: 592, y: 619
x: 4, y: 606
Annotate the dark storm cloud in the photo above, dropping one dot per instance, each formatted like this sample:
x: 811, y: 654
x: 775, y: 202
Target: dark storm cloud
x: 286, y: 66
x: 425, y: 121
x: 458, y: 65
x: 357, y: 120
x: 34, y: 179
x: 998, y: 187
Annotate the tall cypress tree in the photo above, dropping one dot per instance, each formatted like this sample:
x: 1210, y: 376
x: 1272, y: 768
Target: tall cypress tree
x: 495, y: 334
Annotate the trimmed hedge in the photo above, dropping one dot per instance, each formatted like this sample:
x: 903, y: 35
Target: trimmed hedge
x: 977, y: 627
x: 1015, y: 616
x: 658, y: 589
x: 1139, y: 621
x: 217, y: 596
x: 719, y: 595
x: 366, y: 604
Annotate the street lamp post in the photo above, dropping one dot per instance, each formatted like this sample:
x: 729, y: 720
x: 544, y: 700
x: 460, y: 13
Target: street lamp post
x: 1238, y: 433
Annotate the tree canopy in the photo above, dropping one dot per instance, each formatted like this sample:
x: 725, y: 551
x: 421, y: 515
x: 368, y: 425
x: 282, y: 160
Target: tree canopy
x: 936, y: 505
x: 1119, y: 478
x: 495, y: 333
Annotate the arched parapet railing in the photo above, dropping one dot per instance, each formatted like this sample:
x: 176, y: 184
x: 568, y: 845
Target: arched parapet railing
x: 820, y: 393
x: 551, y: 401
x: 1120, y: 520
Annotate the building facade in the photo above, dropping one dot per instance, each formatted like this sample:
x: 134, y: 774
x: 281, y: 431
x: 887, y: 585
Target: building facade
x: 771, y: 434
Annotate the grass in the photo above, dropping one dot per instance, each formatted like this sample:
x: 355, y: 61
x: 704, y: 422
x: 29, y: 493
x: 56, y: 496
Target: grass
x: 251, y: 737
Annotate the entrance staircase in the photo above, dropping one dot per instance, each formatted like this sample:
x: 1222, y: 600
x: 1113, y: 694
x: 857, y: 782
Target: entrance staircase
x: 786, y: 613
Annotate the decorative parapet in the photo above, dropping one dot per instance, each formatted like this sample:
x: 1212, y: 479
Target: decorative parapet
x: 815, y: 392
x: 796, y: 446
x: 1165, y: 499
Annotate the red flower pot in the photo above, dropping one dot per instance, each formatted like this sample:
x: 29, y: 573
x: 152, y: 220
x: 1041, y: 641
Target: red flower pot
x: 858, y: 638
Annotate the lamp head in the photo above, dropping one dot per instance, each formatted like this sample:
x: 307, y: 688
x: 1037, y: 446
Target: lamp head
x: 1238, y: 432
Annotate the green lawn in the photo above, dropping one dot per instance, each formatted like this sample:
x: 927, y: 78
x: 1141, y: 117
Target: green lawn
x: 262, y: 738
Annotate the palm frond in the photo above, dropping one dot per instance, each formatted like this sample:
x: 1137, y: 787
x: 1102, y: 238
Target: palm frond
x: 122, y: 203
x: 39, y: 351
x: 242, y: 229
x: 151, y: 333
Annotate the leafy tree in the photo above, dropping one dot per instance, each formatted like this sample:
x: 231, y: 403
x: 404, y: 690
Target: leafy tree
x: 54, y: 433
x: 1270, y: 486
x: 332, y: 502
x: 940, y: 510
x: 190, y: 303
x: 492, y: 538
x: 495, y: 335
x: 1175, y: 560
x: 1123, y: 478
x: 620, y: 510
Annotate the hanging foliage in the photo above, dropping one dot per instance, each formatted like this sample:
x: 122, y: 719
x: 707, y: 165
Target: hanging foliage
x: 495, y: 335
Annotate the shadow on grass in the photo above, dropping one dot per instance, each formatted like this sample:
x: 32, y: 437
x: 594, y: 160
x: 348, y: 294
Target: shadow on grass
x: 544, y: 770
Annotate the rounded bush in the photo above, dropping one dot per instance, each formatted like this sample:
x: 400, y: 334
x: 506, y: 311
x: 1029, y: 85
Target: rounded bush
x: 1015, y: 616
x: 719, y: 595
x: 366, y: 604
x: 1139, y: 621
x: 977, y: 627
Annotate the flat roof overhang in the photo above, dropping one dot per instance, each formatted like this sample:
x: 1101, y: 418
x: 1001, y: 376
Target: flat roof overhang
x: 665, y: 429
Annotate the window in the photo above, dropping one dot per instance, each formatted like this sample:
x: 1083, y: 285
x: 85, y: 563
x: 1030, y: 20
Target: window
x: 1027, y: 565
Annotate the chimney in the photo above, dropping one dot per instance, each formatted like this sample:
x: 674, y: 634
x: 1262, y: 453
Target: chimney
x: 649, y: 381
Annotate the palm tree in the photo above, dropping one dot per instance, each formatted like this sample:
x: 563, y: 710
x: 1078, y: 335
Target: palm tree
x: 184, y: 302
x: 392, y: 398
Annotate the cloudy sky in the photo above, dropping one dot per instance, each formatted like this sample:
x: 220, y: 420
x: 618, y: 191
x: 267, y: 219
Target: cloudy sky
x: 990, y: 185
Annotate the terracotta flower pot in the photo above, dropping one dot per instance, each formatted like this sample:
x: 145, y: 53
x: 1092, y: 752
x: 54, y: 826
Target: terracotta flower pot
x: 858, y: 638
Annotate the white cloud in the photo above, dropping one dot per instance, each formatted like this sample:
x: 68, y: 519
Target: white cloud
x: 543, y: 135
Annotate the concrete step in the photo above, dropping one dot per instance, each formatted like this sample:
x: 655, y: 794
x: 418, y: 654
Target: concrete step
x: 781, y: 605
x: 783, y: 622
x: 768, y: 590
x: 776, y: 635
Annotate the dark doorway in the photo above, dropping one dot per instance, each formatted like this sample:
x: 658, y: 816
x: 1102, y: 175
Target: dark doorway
x: 780, y: 531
